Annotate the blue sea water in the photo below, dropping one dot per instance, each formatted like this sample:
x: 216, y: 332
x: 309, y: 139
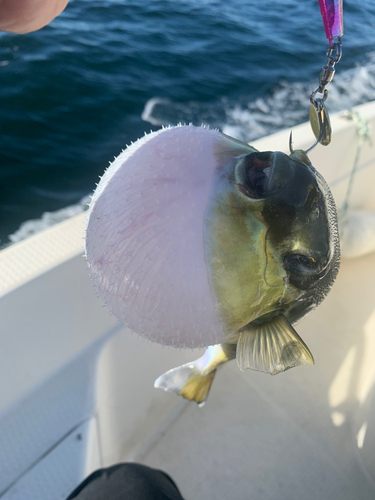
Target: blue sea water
x: 73, y: 94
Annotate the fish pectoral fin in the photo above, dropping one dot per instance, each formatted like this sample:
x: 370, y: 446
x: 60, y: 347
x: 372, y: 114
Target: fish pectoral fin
x: 272, y: 347
x: 187, y: 381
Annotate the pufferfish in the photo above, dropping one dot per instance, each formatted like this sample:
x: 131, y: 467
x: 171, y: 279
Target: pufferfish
x: 196, y: 239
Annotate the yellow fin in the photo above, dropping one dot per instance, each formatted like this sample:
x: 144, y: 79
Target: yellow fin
x: 272, y: 347
x: 188, y: 381
x: 197, y: 387
x: 193, y: 380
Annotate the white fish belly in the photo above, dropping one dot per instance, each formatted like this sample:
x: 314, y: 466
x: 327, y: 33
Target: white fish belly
x: 145, y: 238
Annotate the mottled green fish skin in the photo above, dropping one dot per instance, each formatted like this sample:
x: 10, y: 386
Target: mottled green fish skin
x: 247, y: 240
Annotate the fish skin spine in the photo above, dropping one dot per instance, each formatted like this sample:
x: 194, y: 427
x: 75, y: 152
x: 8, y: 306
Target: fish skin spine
x: 144, y: 238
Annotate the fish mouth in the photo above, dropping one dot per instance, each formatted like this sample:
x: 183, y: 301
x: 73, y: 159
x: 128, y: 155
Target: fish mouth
x: 260, y: 175
x: 253, y: 175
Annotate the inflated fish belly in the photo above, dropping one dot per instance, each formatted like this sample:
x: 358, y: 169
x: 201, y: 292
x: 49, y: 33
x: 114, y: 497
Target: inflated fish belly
x: 145, y: 238
x: 195, y: 239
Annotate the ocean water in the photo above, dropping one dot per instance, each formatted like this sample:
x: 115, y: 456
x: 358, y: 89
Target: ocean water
x: 73, y: 94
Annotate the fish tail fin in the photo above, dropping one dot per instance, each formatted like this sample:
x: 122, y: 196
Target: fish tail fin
x: 273, y: 347
x: 188, y: 381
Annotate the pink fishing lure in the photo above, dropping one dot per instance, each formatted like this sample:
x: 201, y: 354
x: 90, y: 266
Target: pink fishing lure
x: 332, y: 14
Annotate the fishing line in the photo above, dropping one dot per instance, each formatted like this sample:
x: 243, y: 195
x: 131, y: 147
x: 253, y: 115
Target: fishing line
x: 364, y: 132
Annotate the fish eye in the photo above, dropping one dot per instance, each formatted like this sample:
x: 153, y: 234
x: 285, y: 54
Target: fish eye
x: 256, y: 176
x: 297, y: 263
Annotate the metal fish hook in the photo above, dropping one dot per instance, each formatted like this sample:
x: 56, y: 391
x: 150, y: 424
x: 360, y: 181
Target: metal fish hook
x: 299, y: 153
x: 293, y: 151
x: 291, y: 142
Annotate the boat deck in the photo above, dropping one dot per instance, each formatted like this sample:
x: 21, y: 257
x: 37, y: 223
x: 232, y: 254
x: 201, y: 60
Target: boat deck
x: 300, y: 434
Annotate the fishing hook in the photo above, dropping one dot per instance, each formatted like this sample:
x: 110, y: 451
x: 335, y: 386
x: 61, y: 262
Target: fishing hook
x: 291, y: 144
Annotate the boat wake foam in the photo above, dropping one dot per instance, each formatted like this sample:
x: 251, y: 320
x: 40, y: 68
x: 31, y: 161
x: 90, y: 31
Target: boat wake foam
x: 285, y: 107
x: 48, y: 219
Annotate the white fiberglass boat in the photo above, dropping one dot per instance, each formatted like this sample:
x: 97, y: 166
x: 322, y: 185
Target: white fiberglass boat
x: 77, y: 391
